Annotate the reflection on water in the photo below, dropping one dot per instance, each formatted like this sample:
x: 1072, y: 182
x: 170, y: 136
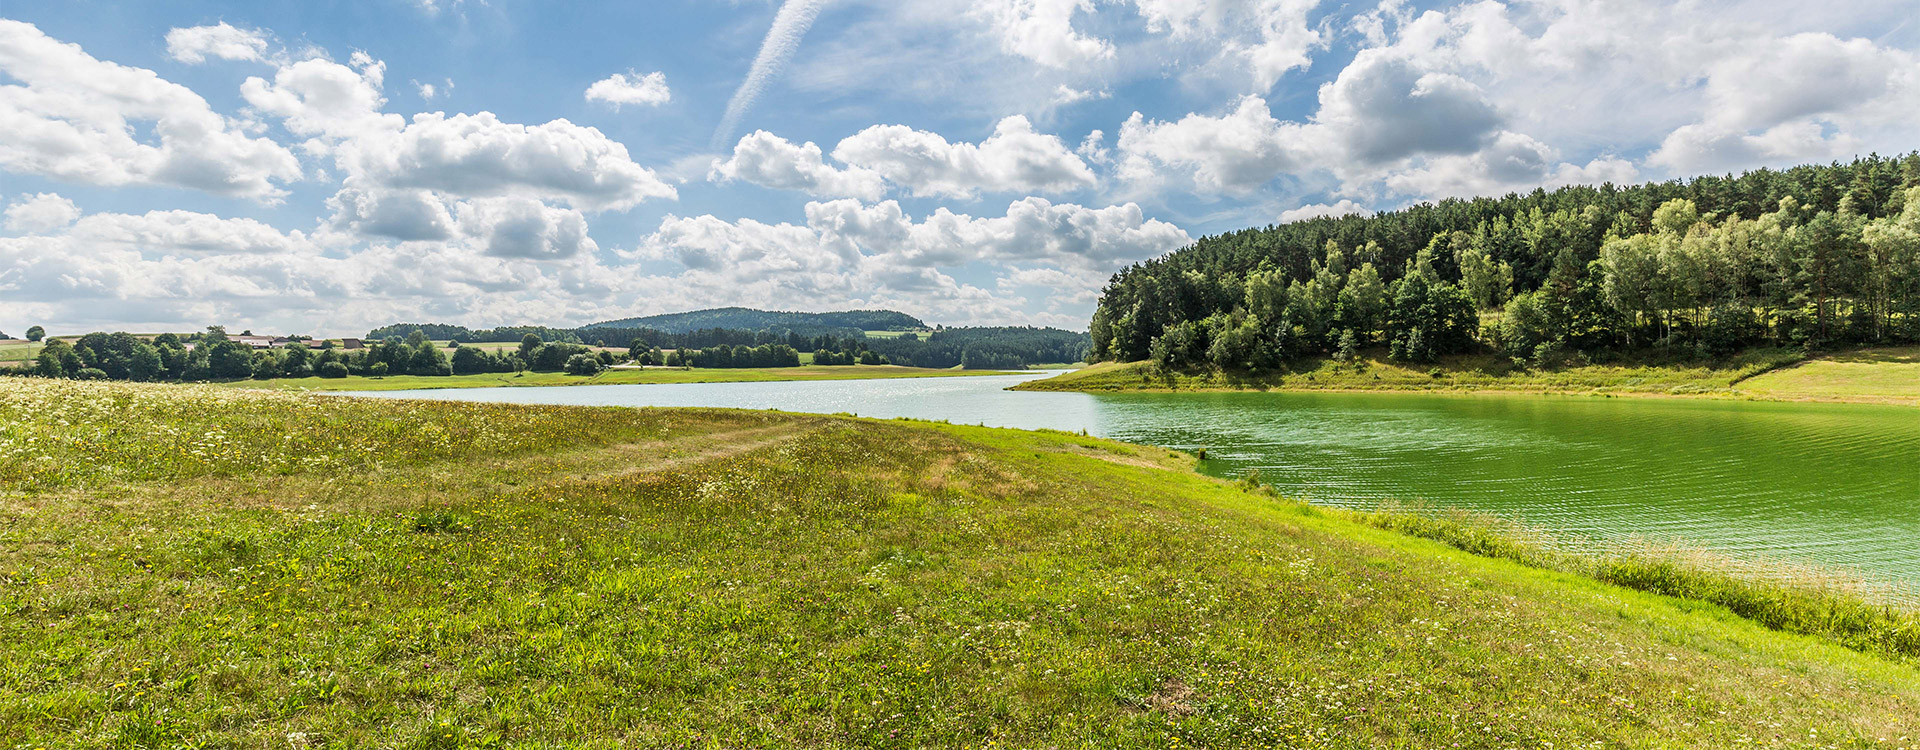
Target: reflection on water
x: 1830, y: 484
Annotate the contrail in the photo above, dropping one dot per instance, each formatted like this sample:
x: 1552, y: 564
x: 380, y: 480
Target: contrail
x: 791, y: 23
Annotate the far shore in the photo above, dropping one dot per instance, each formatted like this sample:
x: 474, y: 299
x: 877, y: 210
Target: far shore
x: 1884, y: 376
x: 611, y: 376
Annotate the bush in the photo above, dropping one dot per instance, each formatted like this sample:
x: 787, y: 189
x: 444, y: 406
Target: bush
x: 583, y: 364
x: 378, y: 370
x: 332, y: 370
x: 91, y: 373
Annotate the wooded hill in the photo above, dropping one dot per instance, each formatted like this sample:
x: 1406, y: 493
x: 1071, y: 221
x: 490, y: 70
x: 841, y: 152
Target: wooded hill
x: 1813, y: 255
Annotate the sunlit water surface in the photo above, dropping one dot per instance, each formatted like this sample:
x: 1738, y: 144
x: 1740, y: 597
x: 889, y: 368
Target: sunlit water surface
x: 1833, y: 485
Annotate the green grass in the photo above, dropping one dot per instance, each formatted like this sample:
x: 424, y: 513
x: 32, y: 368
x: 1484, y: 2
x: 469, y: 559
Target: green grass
x: 1728, y: 377
x: 608, y: 377
x: 539, y: 577
x: 1806, y: 602
x: 21, y: 352
x: 1879, y: 375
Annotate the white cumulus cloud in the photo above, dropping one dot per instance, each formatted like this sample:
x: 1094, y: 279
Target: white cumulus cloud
x: 631, y: 88
x: 1042, y: 31
x: 1016, y: 158
x: 73, y: 117
x: 41, y: 212
x: 768, y: 160
x: 194, y: 44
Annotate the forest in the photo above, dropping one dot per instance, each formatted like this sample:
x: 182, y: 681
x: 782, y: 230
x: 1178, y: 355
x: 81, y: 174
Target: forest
x: 1814, y: 256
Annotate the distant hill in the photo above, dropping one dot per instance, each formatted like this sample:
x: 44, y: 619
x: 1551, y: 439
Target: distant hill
x: 741, y: 318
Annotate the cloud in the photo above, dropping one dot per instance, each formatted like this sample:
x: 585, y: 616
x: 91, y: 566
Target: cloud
x: 1042, y: 31
x: 376, y: 211
x: 427, y: 91
x: 1282, y: 39
x: 75, y: 118
x: 1771, y: 84
x: 768, y: 160
x: 1232, y: 153
x: 187, y: 232
x: 875, y: 252
x: 1342, y: 207
x: 193, y: 45
x: 1034, y: 229
x: 619, y: 88
x: 1064, y: 95
x: 790, y: 24
x: 41, y: 212
x: 180, y: 270
x: 1015, y: 158
x: 1801, y: 98
x: 462, y: 155
x: 480, y: 156
x: 320, y: 97
x: 502, y: 189
x: 1705, y: 147
x: 1385, y: 108
x: 523, y: 228
x: 848, y: 233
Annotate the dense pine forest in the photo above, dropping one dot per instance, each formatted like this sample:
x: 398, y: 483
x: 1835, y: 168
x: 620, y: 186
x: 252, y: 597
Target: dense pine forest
x: 1810, y: 256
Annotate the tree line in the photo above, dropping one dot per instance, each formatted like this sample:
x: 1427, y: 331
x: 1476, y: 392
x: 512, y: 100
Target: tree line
x: 725, y: 357
x: 213, y: 355
x: 982, y: 347
x: 1810, y: 256
x: 408, y: 349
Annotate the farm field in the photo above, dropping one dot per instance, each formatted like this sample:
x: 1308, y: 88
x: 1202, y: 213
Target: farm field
x: 17, y: 351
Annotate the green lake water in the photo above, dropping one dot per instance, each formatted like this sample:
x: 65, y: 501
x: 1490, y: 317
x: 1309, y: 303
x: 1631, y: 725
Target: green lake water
x: 1830, y: 485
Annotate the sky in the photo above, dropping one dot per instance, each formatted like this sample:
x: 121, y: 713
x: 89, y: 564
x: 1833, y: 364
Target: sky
x: 326, y: 167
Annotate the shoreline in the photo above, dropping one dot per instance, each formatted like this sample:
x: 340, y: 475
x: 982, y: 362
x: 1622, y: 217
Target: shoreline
x: 629, y: 376
x: 1882, y: 384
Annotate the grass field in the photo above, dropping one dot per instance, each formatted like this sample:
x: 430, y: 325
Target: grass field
x: 18, y: 351
x: 607, y: 377
x: 1890, y: 375
x: 1882, y: 375
x: 189, y: 566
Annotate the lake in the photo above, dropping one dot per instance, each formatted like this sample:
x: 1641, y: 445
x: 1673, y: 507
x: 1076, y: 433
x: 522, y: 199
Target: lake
x: 1831, y: 485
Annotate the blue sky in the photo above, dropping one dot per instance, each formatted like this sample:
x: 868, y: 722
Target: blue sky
x: 283, y: 166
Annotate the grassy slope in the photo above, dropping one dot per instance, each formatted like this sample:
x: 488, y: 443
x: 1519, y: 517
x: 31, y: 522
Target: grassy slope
x: 1884, y: 375
x: 436, y: 575
x: 609, y: 377
x: 18, y: 352
x: 1887, y: 375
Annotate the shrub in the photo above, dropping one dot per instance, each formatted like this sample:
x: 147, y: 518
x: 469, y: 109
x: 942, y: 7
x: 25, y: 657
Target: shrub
x: 91, y: 373
x: 583, y: 364
x: 332, y: 370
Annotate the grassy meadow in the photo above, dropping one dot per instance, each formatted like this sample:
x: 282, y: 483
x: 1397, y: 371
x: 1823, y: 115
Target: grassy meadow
x: 1888, y: 375
x: 1881, y: 375
x: 612, y: 376
x: 15, y: 352
x: 193, y: 566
